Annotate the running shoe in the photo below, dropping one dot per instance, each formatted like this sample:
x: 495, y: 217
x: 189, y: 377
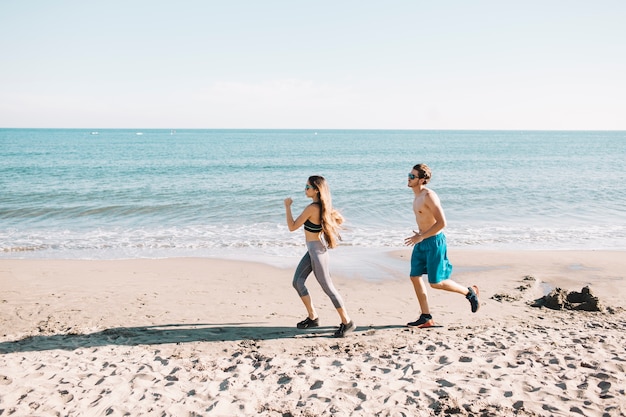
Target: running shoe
x: 473, y: 298
x: 345, y: 329
x: 308, y: 323
x: 425, y: 320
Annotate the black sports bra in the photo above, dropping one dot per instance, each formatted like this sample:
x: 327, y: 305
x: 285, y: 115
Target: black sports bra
x: 309, y: 226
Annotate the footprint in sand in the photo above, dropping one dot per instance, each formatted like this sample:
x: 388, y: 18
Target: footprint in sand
x: 66, y: 396
x: 444, y: 360
x: 317, y: 385
x: 529, y: 283
x: 5, y: 380
x: 445, y: 383
x: 284, y: 379
x: 224, y: 385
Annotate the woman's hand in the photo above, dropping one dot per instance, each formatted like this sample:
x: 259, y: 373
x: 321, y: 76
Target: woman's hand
x: 288, y: 202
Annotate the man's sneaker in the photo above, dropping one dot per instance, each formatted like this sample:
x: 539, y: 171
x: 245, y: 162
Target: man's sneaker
x: 345, y: 329
x: 308, y: 323
x: 473, y: 298
x: 425, y: 320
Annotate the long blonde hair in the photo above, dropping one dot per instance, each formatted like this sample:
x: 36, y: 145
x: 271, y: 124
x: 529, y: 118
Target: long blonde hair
x: 331, y: 218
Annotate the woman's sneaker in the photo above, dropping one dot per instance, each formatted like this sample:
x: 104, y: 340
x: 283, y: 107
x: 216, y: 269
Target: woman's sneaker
x: 425, y: 320
x: 345, y: 329
x: 308, y: 323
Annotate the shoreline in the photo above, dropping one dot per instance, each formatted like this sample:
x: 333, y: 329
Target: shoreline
x: 212, y: 336
x: 344, y: 259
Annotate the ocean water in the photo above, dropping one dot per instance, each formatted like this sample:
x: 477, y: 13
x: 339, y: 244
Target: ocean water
x: 72, y: 193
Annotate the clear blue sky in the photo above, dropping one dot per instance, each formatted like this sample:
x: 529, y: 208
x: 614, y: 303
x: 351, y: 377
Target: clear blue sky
x: 398, y: 64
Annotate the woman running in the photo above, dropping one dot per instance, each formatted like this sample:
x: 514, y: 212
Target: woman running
x: 321, y: 231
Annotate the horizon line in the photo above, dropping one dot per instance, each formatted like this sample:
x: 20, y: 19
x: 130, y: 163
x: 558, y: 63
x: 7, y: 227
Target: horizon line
x: 93, y: 129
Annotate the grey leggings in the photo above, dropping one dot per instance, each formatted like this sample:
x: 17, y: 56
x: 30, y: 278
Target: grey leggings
x: 316, y: 261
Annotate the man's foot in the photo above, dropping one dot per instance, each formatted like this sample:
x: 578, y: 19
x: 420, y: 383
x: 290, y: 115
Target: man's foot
x: 308, y: 323
x: 425, y: 320
x: 473, y: 298
x: 345, y: 329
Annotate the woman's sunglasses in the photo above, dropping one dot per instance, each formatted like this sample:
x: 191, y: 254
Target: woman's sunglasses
x: 412, y: 176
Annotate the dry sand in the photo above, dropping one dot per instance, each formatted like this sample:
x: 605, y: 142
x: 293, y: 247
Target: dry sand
x: 192, y: 337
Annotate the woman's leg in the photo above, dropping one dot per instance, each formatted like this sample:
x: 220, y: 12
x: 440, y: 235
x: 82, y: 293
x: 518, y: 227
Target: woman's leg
x: 319, y: 261
x: 303, y: 270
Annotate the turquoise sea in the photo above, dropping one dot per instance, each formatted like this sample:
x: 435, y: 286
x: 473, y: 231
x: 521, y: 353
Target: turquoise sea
x: 110, y: 194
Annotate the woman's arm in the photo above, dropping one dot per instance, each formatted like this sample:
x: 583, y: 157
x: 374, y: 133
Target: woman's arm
x: 295, y: 224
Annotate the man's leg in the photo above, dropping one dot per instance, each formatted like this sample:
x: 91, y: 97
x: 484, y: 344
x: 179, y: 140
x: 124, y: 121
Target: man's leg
x: 471, y: 293
x: 425, y: 319
x: 450, y: 285
x: 420, y: 292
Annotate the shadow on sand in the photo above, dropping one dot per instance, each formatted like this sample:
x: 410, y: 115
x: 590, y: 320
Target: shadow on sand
x: 168, y: 333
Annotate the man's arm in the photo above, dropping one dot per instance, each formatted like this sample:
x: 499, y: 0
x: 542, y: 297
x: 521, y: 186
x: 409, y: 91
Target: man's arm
x: 433, y: 204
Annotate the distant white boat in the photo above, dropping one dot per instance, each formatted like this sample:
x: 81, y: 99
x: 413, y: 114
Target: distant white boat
x: 95, y: 133
x: 139, y: 133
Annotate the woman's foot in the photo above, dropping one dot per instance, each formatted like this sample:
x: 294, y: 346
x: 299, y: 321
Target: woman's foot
x: 345, y: 329
x: 308, y: 323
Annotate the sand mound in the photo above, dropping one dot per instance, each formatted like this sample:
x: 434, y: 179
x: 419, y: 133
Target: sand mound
x: 560, y: 299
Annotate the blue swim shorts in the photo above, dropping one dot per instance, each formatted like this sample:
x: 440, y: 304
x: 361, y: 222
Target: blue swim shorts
x: 430, y: 256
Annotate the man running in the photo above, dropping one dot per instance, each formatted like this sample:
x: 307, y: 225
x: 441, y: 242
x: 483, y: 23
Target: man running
x: 429, y: 248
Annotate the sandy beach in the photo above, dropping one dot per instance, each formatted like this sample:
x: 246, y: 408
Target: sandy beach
x: 195, y: 337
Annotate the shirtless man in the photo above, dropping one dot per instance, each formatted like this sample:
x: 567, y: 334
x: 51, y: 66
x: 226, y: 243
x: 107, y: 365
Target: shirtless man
x: 429, y: 248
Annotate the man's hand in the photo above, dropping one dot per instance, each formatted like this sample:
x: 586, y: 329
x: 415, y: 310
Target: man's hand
x: 416, y: 238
